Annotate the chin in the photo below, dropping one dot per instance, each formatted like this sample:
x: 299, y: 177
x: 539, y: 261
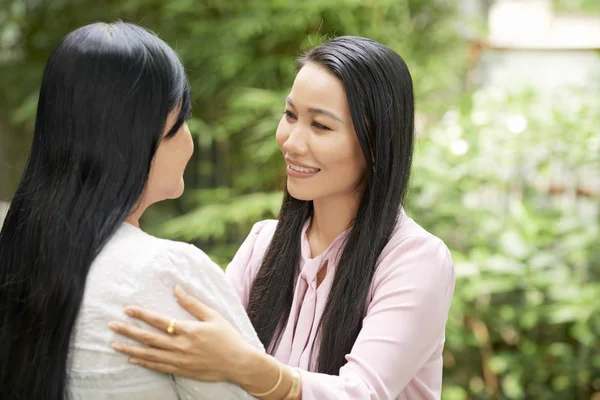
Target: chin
x: 299, y: 194
x: 176, y: 192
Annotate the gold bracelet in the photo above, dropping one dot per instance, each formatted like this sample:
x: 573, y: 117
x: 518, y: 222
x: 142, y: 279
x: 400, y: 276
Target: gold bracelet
x: 274, y: 387
x: 296, y: 386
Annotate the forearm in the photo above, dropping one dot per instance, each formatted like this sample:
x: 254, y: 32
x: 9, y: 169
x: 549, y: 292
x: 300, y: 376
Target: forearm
x: 258, y: 372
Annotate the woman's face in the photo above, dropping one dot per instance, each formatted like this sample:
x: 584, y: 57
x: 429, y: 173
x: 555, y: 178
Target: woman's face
x: 166, y: 173
x: 317, y: 138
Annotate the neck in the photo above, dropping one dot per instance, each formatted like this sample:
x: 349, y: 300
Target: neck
x: 331, y: 217
x: 133, y: 221
x: 136, y: 214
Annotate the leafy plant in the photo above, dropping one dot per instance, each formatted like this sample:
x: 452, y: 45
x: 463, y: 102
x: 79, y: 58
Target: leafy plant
x: 512, y: 184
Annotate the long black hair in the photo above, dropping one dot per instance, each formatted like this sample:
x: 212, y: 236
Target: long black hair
x: 106, y: 93
x: 379, y: 90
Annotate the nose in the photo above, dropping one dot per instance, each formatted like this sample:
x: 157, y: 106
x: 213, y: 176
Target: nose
x: 295, y: 143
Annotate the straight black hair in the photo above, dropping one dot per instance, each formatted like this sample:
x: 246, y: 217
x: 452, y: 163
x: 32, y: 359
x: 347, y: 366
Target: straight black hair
x: 379, y: 90
x: 106, y: 92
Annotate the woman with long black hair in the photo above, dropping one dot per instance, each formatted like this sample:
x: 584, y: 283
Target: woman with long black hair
x: 110, y: 140
x: 347, y: 293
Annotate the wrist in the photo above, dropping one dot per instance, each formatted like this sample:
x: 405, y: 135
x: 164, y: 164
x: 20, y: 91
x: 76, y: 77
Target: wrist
x: 249, y: 367
x: 263, y: 376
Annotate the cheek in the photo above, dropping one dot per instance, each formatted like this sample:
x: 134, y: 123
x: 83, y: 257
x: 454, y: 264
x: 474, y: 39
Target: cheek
x: 189, y: 144
x: 359, y: 159
x: 170, y: 161
x: 282, y: 134
x: 348, y: 160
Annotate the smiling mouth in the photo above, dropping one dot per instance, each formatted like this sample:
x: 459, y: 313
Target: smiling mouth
x: 302, y: 169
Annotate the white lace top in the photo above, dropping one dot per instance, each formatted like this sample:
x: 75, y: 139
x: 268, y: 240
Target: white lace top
x: 135, y: 268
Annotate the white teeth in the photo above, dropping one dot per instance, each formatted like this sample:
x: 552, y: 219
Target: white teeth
x: 302, y: 169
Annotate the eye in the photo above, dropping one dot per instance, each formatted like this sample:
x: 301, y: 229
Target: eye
x: 289, y: 115
x: 321, y: 126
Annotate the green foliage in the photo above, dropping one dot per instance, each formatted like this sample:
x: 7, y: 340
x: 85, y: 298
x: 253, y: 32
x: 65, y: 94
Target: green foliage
x: 522, y: 220
x: 577, y: 6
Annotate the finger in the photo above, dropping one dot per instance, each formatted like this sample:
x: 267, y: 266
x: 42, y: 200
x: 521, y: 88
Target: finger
x: 154, y: 339
x: 193, y: 305
x: 148, y: 354
x: 151, y: 318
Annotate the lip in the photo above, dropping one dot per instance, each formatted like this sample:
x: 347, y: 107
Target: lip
x: 297, y: 174
x: 299, y: 164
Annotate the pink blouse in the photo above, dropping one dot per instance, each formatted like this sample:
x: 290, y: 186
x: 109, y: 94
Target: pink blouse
x: 398, y: 353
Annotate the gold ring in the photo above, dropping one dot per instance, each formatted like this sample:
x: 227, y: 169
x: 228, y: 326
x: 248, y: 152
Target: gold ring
x: 171, y: 327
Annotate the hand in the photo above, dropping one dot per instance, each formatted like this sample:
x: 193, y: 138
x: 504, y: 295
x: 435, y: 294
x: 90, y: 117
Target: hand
x: 209, y: 349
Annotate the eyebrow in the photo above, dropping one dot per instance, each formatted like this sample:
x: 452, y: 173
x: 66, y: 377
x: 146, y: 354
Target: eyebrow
x: 317, y: 111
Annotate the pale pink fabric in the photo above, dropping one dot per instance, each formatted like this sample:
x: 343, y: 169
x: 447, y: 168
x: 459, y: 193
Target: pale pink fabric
x: 398, y: 353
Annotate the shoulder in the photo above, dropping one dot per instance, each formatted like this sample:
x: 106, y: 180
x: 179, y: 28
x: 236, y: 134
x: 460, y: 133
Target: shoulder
x: 414, y: 252
x: 409, y: 237
x: 242, y: 270
x: 263, y: 231
x: 176, y: 262
x: 150, y: 276
x: 145, y: 256
x: 137, y: 268
x: 255, y: 246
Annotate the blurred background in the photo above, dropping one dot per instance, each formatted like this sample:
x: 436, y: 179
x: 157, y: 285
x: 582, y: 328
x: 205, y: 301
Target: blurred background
x: 507, y: 164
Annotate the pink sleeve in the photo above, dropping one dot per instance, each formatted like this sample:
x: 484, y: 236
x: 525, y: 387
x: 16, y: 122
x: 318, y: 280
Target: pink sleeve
x: 403, y: 331
x: 241, y: 271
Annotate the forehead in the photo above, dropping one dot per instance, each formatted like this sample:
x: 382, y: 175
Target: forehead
x: 315, y: 86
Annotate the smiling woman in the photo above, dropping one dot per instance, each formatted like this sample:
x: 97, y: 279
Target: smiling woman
x: 317, y: 136
x: 347, y: 293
